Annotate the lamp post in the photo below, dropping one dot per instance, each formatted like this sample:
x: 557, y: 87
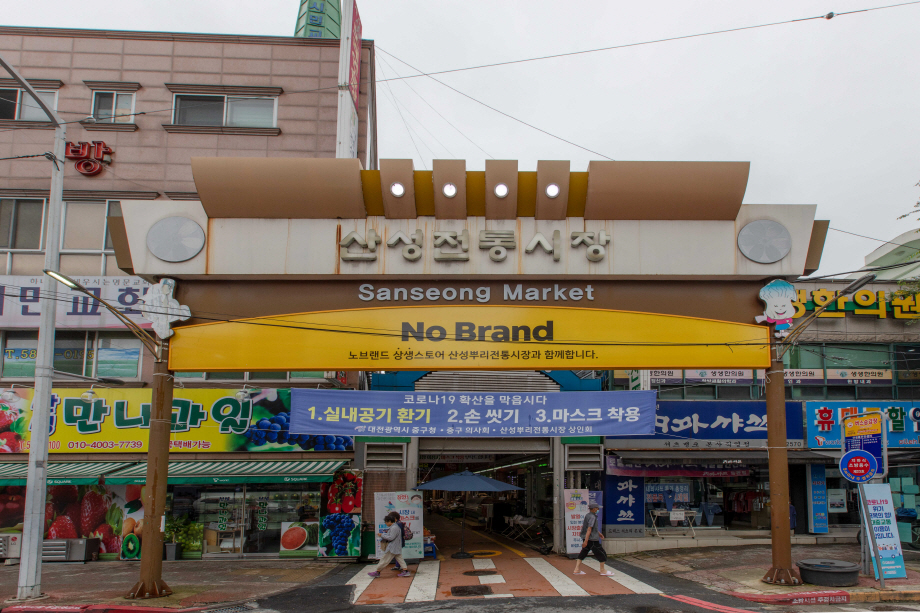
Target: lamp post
x: 162, y: 309
x: 783, y: 572
x: 33, y: 530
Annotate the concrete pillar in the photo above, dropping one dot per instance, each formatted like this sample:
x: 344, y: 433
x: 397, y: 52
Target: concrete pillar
x: 558, y: 457
x: 412, y: 463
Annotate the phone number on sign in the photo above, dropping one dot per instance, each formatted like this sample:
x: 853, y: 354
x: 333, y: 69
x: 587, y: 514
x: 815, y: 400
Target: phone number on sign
x: 105, y: 445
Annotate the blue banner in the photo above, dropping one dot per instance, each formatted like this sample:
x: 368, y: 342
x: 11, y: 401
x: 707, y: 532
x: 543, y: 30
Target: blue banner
x: 713, y: 424
x: 817, y: 498
x: 624, y: 514
x: 823, y: 419
x: 373, y: 413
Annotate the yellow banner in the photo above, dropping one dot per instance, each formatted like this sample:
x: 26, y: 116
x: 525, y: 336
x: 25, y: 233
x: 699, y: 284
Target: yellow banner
x: 863, y: 425
x: 468, y: 337
x: 203, y: 420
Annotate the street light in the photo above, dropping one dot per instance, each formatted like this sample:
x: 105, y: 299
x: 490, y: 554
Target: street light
x: 782, y: 572
x: 151, y: 584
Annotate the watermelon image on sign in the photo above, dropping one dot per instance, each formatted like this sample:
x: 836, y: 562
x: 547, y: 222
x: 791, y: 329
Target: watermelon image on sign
x: 293, y: 538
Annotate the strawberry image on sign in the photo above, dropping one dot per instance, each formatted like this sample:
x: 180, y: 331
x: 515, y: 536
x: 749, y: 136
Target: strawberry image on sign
x: 10, y: 442
x: 63, y: 495
x: 93, y: 508
x: 62, y: 528
x: 8, y: 415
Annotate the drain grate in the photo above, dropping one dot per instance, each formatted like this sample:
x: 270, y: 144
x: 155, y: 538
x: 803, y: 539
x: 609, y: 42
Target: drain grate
x: 480, y: 573
x: 237, y: 609
x: 470, y: 590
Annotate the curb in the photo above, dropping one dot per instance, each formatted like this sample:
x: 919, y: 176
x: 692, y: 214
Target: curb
x: 831, y: 597
x: 95, y: 608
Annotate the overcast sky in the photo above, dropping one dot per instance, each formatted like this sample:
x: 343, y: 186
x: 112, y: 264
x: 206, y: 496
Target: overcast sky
x: 825, y: 111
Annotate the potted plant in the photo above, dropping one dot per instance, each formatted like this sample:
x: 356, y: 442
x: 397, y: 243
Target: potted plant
x: 171, y: 549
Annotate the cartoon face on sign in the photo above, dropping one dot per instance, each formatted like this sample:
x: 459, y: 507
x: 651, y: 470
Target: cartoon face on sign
x: 778, y: 297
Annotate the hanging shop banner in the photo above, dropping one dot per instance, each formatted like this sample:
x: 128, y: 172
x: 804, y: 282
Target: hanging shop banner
x: 350, y: 413
x: 340, y: 515
x: 409, y: 507
x: 817, y: 498
x: 468, y: 338
x: 712, y: 424
x: 823, y: 419
x: 203, y: 420
x: 877, y: 497
x: 19, y: 302
x: 624, y: 515
x: 866, y: 433
x: 576, y: 507
x: 667, y: 494
x: 616, y: 466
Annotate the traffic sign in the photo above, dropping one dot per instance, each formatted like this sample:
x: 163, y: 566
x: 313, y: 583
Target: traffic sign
x: 866, y: 432
x: 858, y: 466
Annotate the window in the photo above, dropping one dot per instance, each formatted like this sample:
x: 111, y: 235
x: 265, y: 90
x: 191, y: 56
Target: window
x: 86, y: 245
x: 19, y: 104
x: 192, y: 110
x: 91, y: 354
x: 21, y: 224
x: 113, y: 107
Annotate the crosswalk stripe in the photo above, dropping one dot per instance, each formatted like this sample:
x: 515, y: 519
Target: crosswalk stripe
x: 483, y: 564
x: 361, y: 580
x: 622, y: 578
x: 424, y: 586
x: 560, y: 582
x: 499, y: 596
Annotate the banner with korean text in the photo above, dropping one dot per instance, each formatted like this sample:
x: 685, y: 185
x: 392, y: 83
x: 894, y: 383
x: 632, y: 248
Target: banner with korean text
x: 823, y: 419
x: 19, y: 302
x: 625, y: 509
x: 203, y: 420
x: 350, y: 413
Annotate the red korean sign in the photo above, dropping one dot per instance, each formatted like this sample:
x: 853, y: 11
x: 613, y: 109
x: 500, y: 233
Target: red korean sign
x: 89, y: 156
x: 354, y: 70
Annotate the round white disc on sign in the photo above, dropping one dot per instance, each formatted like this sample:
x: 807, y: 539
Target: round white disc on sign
x: 764, y: 241
x: 175, y: 239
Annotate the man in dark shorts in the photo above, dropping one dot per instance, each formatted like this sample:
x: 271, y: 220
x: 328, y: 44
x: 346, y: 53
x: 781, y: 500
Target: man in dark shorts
x: 591, y: 533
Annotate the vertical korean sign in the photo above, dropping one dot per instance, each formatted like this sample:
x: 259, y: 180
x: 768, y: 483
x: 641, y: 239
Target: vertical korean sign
x: 625, y: 509
x: 576, y: 507
x: 881, y: 517
x: 817, y: 498
x: 865, y: 433
x: 349, y: 82
x: 409, y: 507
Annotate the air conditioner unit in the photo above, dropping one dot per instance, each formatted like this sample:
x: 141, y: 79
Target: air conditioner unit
x: 10, y: 546
x: 385, y: 456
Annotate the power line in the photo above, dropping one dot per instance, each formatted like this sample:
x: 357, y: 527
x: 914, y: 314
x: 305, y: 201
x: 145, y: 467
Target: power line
x: 500, y: 112
x: 870, y: 238
x: 398, y: 110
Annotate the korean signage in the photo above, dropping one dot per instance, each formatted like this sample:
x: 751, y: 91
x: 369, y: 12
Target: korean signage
x: 616, y: 466
x: 409, y: 507
x: 883, y: 520
x: 867, y: 302
x: 354, y: 57
x: 793, y: 376
x: 461, y: 245
x: 20, y: 295
x: 823, y: 419
x: 203, y: 420
x: 864, y: 433
x: 817, y: 498
x: 89, y: 157
x: 350, y: 413
x: 576, y: 507
x: 713, y: 424
x: 667, y: 494
x: 624, y: 515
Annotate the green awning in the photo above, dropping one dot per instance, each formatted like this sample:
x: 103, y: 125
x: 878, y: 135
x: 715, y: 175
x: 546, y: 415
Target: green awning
x: 61, y: 473
x: 204, y: 473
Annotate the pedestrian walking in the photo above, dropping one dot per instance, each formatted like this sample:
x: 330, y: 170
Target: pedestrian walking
x: 393, y: 538
x: 591, y: 535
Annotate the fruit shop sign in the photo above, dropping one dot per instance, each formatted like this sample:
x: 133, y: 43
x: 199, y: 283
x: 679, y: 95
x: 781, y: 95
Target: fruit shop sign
x: 203, y: 420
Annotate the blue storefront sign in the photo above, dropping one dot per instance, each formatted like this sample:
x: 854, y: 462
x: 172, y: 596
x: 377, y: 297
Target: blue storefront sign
x: 624, y: 514
x: 823, y: 419
x: 713, y: 424
x: 817, y: 498
x: 375, y: 413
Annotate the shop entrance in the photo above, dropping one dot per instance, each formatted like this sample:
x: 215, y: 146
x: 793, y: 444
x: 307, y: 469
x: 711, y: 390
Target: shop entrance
x: 247, y: 520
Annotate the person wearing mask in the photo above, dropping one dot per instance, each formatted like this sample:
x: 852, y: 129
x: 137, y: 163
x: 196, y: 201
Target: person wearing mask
x: 591, y: 533
x: 392, y: 541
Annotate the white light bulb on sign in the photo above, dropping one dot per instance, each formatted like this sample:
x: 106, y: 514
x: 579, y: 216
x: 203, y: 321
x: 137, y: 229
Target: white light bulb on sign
x: 501, y: 190
x: 241, y: 395
x: 397, y: 190
x: 552, y: 190
x: 88, y: 396
x: 450, y: 190
x: 9, y: 395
